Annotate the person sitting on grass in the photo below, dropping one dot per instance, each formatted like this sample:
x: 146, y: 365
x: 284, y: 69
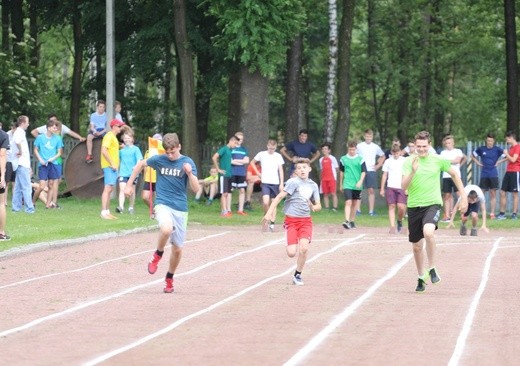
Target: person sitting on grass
x: 476, y: 199
x: 208, y: 187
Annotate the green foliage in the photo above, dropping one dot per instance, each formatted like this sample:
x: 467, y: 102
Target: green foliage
x: 255, y: 33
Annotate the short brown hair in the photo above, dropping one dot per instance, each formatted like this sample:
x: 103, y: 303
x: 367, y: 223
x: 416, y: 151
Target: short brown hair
x: 170, y: 140
x: 423, y: 135
x: 352, y: 143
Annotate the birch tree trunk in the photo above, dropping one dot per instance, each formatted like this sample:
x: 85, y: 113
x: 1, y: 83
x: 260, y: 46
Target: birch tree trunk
x: 328, y: 131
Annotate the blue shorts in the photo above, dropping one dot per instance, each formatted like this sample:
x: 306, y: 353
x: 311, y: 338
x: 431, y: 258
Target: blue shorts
x: 270, y: 190
x: 370, y: 180
x: 177, y: 220
x: 110, y: 176
x: 49, y: 172
x: 98, y: 130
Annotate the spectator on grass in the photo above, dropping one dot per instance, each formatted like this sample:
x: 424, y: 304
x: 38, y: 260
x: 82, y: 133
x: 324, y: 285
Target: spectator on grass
x: 300, y: 148
x: 129, y: 156
x: 239, y: 162
x: 97, y: 127
x: 48, y: 148
x: 4, y: 147
x: 222, y: 162
x: 511, y: 180
x: 110, y: 166
x: 22, y: 189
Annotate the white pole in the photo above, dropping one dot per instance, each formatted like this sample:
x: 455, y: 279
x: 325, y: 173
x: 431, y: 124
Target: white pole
x: 110, y: 63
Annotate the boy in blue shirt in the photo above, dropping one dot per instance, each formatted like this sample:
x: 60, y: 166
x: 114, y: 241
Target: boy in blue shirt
x: 175, y: 172
x: 48, y: 147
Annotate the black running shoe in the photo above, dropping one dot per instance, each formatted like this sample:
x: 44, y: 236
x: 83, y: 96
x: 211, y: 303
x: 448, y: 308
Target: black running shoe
x: 346, y: 225
x: 433, y: 276
x: 421, y: 285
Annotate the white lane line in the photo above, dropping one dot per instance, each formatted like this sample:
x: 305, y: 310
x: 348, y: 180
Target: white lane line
x: 104, y: 262
x: 181, y: 321
x: 127, y: 291
x: 466, y: 328
x: 345, y: 314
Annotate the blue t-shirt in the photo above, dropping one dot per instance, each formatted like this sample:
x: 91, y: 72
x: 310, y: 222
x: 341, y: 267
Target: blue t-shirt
x: 128, y: 158
x: 488, y: 158
x: 172, y: 181
x: 48, y: 146
x: 239, y: 152
x: 99, y: 120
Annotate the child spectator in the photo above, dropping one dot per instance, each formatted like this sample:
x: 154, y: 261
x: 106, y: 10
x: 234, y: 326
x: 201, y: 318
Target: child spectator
x: 239, y: 162
x: 48, y: 148
x: 457, y: 158
x: 129, y: 156
x: 476, y: 199
x: 271, y: 175
x: 96, y: 128
x: 489, y: 155
x: 222, y: 162
x: 352, y: 171
x: 395, y: 196
x: 208, y: 187
x: 329, y: 169
x: 301, y: 196
x: 254, y: 184
x: 110, y: 165
x: 511, y: 181
x: 149, y: 177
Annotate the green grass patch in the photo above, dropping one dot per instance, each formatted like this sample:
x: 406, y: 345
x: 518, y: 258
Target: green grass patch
x: 80, y: 218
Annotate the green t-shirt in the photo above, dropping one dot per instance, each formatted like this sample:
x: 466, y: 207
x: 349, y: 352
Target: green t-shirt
x: 224, y: 160
x: 425, y: 187
x: 351, y: 166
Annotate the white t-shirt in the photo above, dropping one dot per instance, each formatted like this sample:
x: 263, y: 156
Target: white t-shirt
x: 394, y: 167
x: 13, y: 151
x: 369, y: 152
x: 43, y: 130
x: 270, y: 164
x: 450, y: 155
x: 20, y: 138
x: 474, y: 187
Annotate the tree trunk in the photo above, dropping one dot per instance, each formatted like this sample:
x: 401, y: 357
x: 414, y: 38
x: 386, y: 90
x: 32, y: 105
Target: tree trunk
x: 234, y: 91
x: 33, y: 31
x: 17, y: 29
x: 6, y: 7
x: 513, y: 115
x: 203, y: 98
x: 254, y: 110
x: 189, y: 130
x: 328, y: 133
x: 75, y: 101
x: 344, y: 43
x: 292, y: 90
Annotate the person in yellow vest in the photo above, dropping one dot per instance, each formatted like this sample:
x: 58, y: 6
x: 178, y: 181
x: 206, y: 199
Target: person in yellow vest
x: 150, y: 176
x: 110, y: 166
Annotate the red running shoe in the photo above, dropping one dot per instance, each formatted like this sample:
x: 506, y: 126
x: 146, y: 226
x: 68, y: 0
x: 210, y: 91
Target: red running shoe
x: 154, y: 263
x: 169, y: 286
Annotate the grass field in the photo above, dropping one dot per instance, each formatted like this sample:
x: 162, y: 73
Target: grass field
x: 79, y: 218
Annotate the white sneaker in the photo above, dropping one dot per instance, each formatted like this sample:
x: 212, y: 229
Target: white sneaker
x: 297, y: 280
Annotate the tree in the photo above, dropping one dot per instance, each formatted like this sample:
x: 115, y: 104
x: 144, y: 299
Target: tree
x: 189, y: 131
x: 344, y: 75
x: 333, y: 61
x: 513, y: 114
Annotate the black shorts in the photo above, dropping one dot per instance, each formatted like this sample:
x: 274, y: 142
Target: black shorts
x: 472, y: 207
x: 224, y: 184
x: 511, y: 182
x: 448, y: 186
x: 270, y: 190
x: 420, y: 216
x: 488, y: 183
x: 351, y: 194
x: 10, y: 174
x: 238, y: 181
x: 146, y: 186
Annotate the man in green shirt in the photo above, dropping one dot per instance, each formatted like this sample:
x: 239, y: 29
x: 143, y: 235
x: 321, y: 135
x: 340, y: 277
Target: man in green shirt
x: 421, y: 178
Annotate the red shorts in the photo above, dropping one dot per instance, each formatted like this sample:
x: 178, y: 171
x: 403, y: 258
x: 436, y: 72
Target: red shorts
x: 328, y: 186
x: 298, y: 228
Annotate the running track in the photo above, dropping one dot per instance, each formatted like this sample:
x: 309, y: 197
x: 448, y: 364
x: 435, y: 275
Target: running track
x: 234, y: 304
